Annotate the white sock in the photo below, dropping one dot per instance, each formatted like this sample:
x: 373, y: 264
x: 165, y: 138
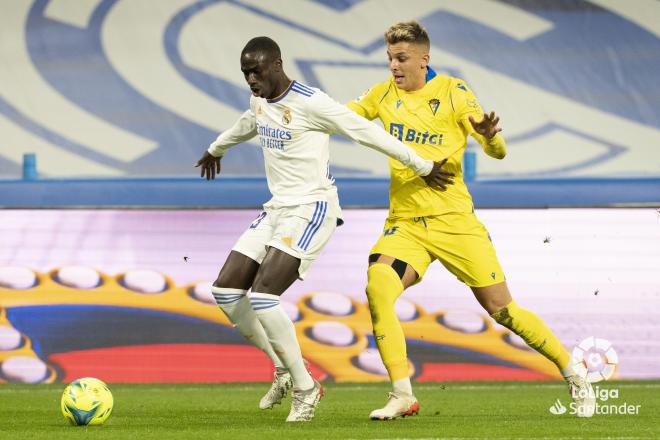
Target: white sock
x: 402, y: 386
x: 236, y: 305
x: 282, y: 335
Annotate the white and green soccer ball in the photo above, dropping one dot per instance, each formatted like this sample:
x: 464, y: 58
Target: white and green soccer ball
x: 86, y: 401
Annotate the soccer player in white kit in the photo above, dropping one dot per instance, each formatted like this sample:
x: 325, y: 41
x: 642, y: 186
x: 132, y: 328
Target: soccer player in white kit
x: 293, y: 123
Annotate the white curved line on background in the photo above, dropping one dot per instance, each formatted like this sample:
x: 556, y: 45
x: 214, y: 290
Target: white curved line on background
x: 534, y: 107
x: 51, y: 160
x: 644, y: 13
x: 24, y: 88
x: 133, y: 40
x: 366, y: 21
x: 523, y: 109
x: 216, y: 50
x: 76, y: 13
x: 514, y: 22
x: 358, y: 26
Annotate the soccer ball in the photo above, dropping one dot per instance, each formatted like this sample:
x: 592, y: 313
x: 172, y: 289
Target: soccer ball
x: 86, y: 401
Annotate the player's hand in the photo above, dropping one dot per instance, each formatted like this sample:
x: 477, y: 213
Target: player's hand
x: 439, y: 178
x: 210, y: 165
x: 487, y: 127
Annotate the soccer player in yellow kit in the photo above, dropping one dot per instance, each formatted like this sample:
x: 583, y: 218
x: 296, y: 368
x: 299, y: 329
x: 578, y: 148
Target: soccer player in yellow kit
x: 433, y: 114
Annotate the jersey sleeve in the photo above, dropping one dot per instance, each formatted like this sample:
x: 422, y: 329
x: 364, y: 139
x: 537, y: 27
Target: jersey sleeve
x: 332, y: 117
x: 366, y: 105
x: 466, y: 104
x: 244, y: 129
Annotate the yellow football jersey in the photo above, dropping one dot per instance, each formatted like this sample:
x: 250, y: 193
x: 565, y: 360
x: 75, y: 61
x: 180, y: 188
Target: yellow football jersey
x: 434, y: 122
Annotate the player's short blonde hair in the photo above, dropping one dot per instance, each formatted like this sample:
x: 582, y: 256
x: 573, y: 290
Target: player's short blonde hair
x: 409, y: 32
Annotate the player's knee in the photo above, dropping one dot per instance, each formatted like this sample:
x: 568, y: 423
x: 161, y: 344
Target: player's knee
x: 494, y: 306
x: 232, y: 280
x: 522, y: 322
x: 263, y: 285
x: 221, y: 282
x: 379, y: 276
x: 383, y: 285
x: 272, y: 281
x: 506, y: 315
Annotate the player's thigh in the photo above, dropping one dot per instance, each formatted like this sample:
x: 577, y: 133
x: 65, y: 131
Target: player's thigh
x: 277, y: 272
x: 238, y: 272
x: 493, y: 298
x: 403, y: 240
x: 407, y: 274
x: 463, y: 245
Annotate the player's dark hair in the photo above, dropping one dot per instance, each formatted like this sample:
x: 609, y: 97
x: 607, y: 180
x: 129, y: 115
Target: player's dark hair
x: 409, y: 32
x: 263, y: 45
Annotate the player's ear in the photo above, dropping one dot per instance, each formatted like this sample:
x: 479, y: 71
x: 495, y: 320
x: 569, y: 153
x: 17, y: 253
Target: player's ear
x: 425, y: 60
x: 277, y: 65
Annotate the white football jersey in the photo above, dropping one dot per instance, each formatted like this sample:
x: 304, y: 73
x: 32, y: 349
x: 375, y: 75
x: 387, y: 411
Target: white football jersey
x: 294, y: 131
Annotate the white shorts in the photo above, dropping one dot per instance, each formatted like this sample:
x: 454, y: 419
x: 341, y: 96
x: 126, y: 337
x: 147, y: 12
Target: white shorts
x: 300, y: 231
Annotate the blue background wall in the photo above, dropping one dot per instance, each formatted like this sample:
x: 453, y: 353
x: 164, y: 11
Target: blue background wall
x: 118, y: 88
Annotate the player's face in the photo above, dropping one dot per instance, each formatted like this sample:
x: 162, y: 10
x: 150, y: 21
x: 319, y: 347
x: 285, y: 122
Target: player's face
x: 407, y: 63
x: 260, y: 73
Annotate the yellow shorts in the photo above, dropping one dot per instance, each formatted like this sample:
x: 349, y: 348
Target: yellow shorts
x: 460, y: 241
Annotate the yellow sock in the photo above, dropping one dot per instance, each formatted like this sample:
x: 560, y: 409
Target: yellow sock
x: 534, y: 332
x: 383, y: 289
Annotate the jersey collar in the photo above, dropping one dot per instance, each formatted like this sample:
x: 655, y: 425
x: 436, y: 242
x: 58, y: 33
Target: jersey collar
x: 283, y: 94
x: 430, y: 73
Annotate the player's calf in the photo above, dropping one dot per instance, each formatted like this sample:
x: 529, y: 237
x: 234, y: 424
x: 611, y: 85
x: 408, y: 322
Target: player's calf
x: 535, y: 333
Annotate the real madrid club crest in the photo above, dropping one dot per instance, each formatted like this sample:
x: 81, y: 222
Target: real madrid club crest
x: 286, y: 117
x: 434, y: 104
x: 259, y: 111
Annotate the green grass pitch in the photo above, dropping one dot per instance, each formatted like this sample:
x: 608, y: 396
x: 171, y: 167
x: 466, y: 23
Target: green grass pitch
x: 494, y: 410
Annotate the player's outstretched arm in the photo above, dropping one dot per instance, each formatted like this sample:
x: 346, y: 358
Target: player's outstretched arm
x: 486, y: 132
x: 244, y: 129
x: 336, y: 118
x: 487, y: 127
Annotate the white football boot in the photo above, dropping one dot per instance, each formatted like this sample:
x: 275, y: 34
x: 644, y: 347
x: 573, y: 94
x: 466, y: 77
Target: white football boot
x: 396, y: 406
x: 582, y: 394
x: 304, y: 403
x: 280, y: 387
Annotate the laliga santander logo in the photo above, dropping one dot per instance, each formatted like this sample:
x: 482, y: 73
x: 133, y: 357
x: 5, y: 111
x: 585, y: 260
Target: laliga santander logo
x: 594, y: 359
x: 558, y: 408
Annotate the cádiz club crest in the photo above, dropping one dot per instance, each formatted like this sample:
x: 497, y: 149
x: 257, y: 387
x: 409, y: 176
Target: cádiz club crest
x: 434, y: 104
